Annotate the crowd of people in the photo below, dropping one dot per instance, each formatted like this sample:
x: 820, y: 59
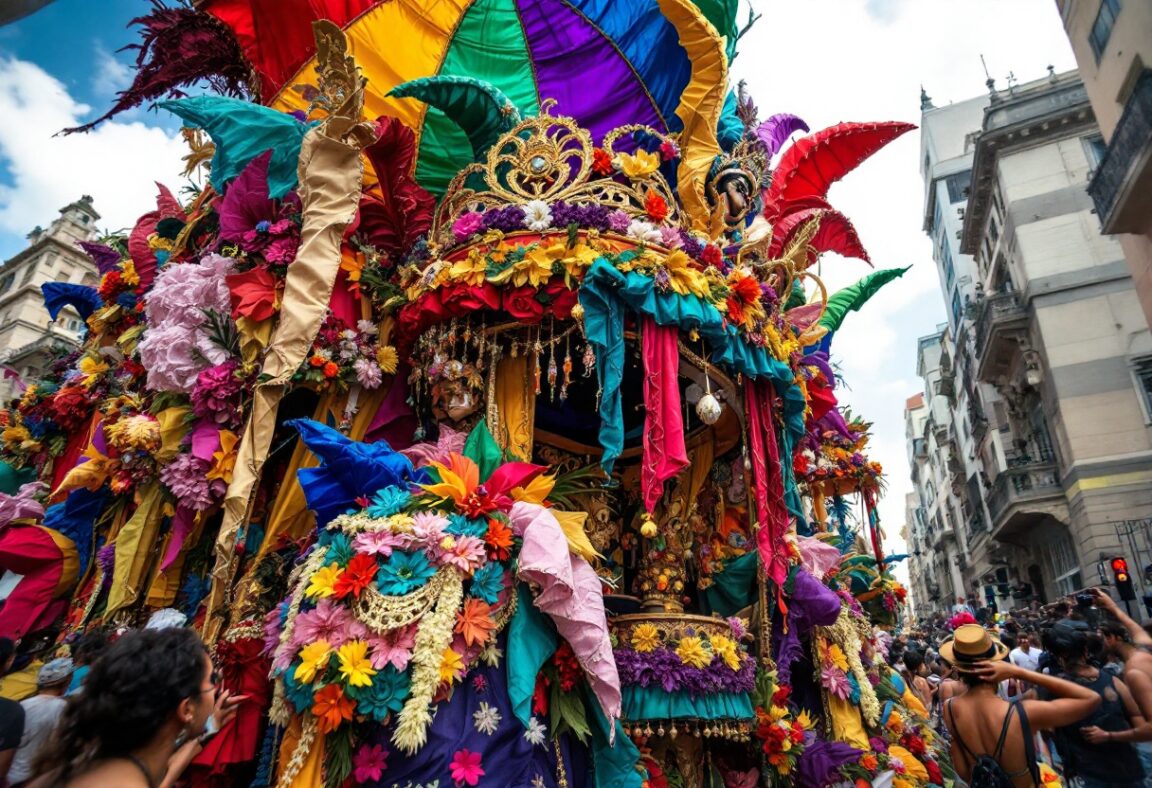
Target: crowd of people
x: 1065, y: 688
x: 131, y: 713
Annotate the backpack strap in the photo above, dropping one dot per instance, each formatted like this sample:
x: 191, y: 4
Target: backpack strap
x: 999, y: 751
x: 1029, y: 743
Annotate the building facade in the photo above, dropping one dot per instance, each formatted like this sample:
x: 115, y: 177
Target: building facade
x: 28, y: 339
x: 1112, y: 42
x: 1037, y: 408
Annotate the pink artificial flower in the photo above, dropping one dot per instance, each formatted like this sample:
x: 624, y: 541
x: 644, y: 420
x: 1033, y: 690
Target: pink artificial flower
x: 427, y: 529
x: 834, y: 680
x: 619, y: 221
x: 737, y: 626
x: 368, y: 373
x: 469, y: 223
x: 378, y: 542
x: 393, y: 648
x: 369, y: 763
x: 670, y: 237
x: 271, y: 631
x: 328, y: 621
x: 466, y: 767
x: 466, y: 553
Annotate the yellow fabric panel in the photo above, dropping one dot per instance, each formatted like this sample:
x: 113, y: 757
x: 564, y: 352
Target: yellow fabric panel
x: 913, y: 703
x: 70, y: 569
x: 21, y: 684
x: 134, y: 548
x: 701, y: 104
x: 165, y: 585
x: 311, y: 774
x: 847, y: 725
x: 516, y: 403
x: 392, y: 43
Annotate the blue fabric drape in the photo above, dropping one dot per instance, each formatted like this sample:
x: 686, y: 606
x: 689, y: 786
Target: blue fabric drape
x: 536, y: 641
x: 83, y: 298
x: 75, y: 517
x: 653, y: 703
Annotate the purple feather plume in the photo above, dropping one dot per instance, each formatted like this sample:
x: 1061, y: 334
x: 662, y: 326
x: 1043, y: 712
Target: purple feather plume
x: 777, y: 129
x: 105, y: 257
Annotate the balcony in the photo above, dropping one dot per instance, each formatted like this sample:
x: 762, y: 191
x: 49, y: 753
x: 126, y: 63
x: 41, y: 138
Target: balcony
x: 977, y: 421
x: 946, y: 387
x: 1000, y: 319
x: 920, y: 448
x: 1121, y: 188
x: 1023, y: 495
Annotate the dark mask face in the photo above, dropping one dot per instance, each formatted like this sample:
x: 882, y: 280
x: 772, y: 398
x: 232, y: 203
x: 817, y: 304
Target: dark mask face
x: 735, y: 190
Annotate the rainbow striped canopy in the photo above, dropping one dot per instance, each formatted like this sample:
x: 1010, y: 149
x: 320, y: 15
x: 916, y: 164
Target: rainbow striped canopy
x: 607, y: 63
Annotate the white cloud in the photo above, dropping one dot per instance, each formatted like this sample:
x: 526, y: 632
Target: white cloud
x: 117, y: 163
x: 838, y: 60
x: 111, y: 75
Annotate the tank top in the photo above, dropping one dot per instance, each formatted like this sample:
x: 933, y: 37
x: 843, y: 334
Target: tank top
x: 1110, y: 761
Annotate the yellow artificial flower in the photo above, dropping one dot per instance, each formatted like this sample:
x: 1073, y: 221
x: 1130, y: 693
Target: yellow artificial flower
x: 92, y: 366
x: 471, y: 270
x: 128, y: 273
x: 645, y: 638
x: 29, y: 397
x: 728, y: 651
x: 535, y: 491
x: 224, y: 459
x: 500, y: 253
x: 576, y: 262
x: 638, y: 165
x: 838, y: 658
x: 323, y: 582
x: 805, y: 720
x: 352, y: 263
x: 451, y: 665
x: 692, y: 652
x: 140, y: 433
x: 388, y: 359
x: 777, y: 713
x: 535, y: 268
x: 313, y: 659
x: 682, y: 277
x: 355, y: 666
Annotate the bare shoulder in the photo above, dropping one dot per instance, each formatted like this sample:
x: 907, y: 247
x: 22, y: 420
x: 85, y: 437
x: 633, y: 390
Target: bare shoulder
x: 110, y: 774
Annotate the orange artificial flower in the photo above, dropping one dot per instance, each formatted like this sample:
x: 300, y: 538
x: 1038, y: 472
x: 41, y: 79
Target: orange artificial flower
x: 475, y: 622
x: 869, y: 762
x: 360, y: 573
x: 331, y: 369
x: 601, y: 162
x: 317, y: 361
x: 332, y: 708
x: 499, y: 540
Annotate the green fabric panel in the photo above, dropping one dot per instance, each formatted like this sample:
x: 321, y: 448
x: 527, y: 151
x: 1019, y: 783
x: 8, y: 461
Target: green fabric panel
x: 484, y: 112
x: 488, y: 45
x: 483, y: 450
x: 855, y: 296
x: 722, y: 15
x: 733, y: 589
x: 11, y: 479
x: 652, y: 703
x: 613, y: 766
x: 531, y: 641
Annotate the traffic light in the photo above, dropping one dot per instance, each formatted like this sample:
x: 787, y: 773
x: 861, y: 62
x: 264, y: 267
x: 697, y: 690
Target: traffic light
x: 1122, y: 579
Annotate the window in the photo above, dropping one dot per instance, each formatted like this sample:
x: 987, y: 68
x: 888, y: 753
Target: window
x: 6, y: 283
x: 1094, y: 149
x: 1142, y: 372
x: 956, y: 309
x: 1060, y: 555
x: 946, y: 264
x: 937, y: 218
x: 958, y: 185
x: 994, y: 230
x: 1102, y: 27
x: 29, y: 270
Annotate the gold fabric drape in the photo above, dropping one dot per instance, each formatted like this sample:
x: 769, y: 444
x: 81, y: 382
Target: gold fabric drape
x: 134, y: 544
x: 330, y: 174
x: 516, y: 404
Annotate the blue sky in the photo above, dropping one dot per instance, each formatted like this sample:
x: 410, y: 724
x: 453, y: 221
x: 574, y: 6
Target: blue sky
x: 825, y: 60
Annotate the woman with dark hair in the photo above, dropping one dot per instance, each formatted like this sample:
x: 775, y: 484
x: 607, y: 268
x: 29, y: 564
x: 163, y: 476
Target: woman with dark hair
x: 984, y: 727
x: 139, y: 721
x: 1097, y: 750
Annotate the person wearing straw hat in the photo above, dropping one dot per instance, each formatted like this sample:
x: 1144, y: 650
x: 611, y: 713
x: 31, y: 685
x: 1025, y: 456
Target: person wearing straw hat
x: 991, y: 737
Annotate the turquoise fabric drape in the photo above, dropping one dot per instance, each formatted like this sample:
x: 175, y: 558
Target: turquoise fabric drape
x: 652, y: 703
x: 605, y: 293
x: 613, y: 765
x: 531, y: 641
x: 733, y: 589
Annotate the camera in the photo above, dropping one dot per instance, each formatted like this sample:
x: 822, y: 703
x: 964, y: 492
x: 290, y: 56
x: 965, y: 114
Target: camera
x: 1084, y: 600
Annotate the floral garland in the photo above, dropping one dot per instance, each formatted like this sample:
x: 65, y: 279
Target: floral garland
x: 690, y: 660
x: 781, y: 731
x: 846, y: 636
x: 342, y: 356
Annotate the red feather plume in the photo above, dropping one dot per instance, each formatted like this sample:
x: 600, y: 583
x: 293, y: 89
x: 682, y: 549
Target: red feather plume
x: 836, y: 234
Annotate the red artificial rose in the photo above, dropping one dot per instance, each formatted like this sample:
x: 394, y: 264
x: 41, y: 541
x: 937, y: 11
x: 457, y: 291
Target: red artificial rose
x: 253, y: 294
x: 780, y: 696
x: 522, y: 304
x: 711, y: 256
x: 540, y: 695
x: 463, y: 299
x: 561, y: 299
x: 601, y: 162
x: 935, y: 776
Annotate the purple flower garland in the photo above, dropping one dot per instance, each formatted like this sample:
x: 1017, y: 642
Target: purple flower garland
x: 664, y: 669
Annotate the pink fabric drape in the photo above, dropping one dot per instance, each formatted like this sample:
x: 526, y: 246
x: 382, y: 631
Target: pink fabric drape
x: 768, y: 479
x: 29, y: 550
x: 570, y: 596
x: 664, y: 451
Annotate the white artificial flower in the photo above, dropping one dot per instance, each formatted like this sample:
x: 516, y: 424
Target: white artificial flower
x: 537, y: 215
x: 367, y: 327
x: 535, y: 733
x: 491, y: 655
x: 348, y: 334
x: 486, y: 719
x: 644, y: 231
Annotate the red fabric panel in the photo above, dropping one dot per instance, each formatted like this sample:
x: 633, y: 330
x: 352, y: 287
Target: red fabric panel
x: 28, y: 550
x: 243, y: 671
x: 77, y: 443
x: 276, y: 35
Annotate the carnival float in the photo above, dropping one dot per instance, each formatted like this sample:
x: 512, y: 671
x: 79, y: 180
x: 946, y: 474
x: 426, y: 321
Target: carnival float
x: 475, y: 402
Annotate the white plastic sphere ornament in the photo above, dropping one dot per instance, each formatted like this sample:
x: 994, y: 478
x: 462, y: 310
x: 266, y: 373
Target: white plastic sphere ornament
x: 708, y: 409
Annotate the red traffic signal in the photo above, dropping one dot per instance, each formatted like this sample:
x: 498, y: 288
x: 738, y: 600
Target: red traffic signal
x: 1123, y: 580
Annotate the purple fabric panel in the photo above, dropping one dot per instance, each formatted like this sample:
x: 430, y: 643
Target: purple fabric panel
x: 576, y: 65
x: 508, y: 758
